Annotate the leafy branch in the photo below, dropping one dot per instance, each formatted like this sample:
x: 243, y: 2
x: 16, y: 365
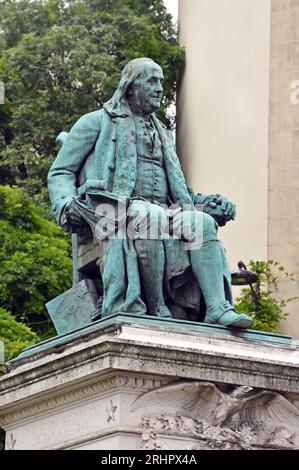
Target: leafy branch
x: 267, y: 309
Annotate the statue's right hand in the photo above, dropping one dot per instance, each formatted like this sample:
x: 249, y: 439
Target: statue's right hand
x: 71, y: 220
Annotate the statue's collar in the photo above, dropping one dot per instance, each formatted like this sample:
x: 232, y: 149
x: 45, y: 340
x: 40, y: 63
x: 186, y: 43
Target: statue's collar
x: 122, y: 109
x: 144, y: 117
x: 117, y: 107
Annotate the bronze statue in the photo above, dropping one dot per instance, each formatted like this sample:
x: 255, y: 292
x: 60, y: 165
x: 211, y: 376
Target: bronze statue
x: 124, y: 153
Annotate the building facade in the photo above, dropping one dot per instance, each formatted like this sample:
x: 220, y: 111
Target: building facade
x: 238, y: 124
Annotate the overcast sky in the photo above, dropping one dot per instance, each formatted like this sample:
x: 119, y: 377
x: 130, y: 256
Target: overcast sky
x: 172, y: 6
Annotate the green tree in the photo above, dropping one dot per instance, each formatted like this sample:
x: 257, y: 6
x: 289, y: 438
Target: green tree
x: 14, y: 335
x: 269, y: 309
x: 61, y: 59
x: 35, y: 259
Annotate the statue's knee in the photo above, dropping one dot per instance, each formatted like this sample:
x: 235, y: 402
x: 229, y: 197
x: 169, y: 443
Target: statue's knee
x: 209, y: 225
x: 137, y: 217
x: 148, y: 220
x: 158, y: 221
x: 187, y: 225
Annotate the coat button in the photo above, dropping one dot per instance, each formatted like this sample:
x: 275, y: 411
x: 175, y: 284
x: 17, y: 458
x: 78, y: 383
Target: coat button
x: 111, y: 166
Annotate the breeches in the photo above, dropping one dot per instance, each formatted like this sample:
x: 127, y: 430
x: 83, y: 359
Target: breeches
x: 151, y: 221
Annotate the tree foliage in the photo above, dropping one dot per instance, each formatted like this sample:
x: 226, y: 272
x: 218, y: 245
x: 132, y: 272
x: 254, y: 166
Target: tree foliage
x: 269, y: 309
x: 14, y: 335
x: 60, y: 59
x: 35, y: 259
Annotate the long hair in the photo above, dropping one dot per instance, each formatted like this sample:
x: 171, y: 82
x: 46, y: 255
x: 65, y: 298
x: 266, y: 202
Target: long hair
x: 118, y: 105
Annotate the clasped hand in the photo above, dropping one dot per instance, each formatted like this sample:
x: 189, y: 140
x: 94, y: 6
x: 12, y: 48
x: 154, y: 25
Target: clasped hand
x: 71, y: 220
x: 220, y: 208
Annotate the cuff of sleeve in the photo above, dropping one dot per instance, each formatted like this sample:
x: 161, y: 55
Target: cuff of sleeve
x: 58, y: 209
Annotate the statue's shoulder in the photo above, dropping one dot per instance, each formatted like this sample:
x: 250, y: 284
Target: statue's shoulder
x: 88, y: 124
x: 92, y: 117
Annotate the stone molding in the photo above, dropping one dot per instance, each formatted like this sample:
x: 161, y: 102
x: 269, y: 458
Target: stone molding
x: 154, y: 388
x: 141, y: 350
x: 85, y: 392
x: 73, y: 443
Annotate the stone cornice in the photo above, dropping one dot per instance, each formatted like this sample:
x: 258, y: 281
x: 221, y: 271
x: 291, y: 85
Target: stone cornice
x: 141, y: 350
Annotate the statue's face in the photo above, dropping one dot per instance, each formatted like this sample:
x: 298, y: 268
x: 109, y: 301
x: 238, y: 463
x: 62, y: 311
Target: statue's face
x: 146, y: 91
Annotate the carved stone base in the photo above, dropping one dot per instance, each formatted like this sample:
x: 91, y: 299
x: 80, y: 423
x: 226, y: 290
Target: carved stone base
x: 132, y: 386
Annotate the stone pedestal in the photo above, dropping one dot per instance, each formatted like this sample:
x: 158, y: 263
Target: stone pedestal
x: 140, y: 383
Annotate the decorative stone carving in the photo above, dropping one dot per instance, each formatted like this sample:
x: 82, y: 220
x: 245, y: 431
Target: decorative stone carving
x: 11, y: 442
x: 172, y: 389
x: 236, y: 418
x: 76, y: 395
x: 111, y: 411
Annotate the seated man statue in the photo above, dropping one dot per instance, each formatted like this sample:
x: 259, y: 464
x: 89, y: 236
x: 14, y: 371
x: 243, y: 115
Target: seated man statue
x: 123, y: 151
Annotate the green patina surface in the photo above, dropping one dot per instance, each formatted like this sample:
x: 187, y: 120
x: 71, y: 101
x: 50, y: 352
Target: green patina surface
x: 124, y: 152
x: 178, y: 326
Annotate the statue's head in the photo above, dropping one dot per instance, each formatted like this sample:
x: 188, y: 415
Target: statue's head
x: 140, y: 88
x: 144, y: 93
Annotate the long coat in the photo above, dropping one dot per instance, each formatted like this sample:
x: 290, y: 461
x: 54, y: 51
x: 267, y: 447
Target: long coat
x: 102, y: 148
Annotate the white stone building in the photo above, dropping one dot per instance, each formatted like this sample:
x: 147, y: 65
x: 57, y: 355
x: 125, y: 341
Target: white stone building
x: 238, y: 123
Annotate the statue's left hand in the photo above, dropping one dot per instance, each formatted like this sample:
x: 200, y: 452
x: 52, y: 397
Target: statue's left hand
x: 220, y: 208
x: 227, y: 207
